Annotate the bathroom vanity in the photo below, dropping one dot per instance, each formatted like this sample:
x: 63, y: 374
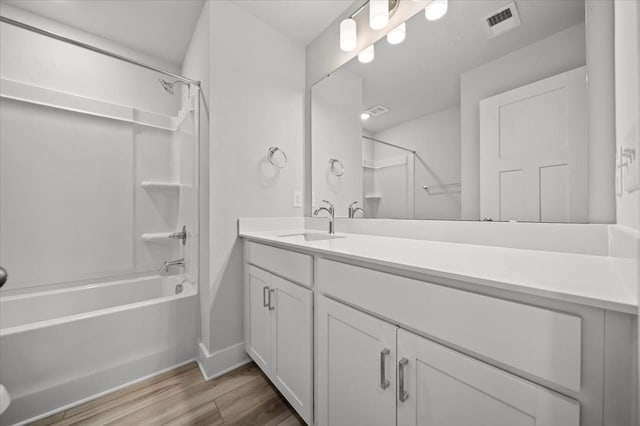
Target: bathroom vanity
x: 361, y: 329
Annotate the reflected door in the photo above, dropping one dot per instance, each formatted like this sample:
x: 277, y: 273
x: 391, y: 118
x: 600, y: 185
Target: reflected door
x: 534, y: 152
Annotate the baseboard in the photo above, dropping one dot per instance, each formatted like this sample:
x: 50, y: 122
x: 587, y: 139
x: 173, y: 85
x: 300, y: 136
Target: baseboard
x: 215, y: 364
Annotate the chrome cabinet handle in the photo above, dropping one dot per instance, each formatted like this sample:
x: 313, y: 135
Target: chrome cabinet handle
x: 403, y: 395
x: 271, y: 307
x: 264, y: 296
x: 384, y: 382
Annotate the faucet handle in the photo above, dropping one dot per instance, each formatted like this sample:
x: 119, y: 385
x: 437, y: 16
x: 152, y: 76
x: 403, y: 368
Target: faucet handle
x: 353, y: 204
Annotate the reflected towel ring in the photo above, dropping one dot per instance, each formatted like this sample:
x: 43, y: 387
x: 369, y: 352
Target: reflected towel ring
x: 277, y: 157
x: 336, y: 166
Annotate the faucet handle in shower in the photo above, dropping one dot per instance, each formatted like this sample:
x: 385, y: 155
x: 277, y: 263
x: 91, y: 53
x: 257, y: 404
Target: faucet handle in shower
x: 180, y: 235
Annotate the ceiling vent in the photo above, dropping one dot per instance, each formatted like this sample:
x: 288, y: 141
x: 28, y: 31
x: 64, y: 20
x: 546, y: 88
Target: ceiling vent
x: 502, y: 20
x: 377, y: 110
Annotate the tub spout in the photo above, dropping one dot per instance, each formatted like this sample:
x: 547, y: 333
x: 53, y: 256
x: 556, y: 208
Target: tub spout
x: 170, y: 263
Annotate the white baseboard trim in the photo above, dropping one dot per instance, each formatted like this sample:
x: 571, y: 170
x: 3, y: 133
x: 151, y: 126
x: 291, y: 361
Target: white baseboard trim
x: 216, y: 364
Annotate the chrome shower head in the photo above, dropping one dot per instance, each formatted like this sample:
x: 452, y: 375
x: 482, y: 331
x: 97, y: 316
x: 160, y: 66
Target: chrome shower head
x: 167, y: 85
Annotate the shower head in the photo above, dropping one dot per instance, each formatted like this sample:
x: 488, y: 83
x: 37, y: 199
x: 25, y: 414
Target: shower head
x: 167, y: 85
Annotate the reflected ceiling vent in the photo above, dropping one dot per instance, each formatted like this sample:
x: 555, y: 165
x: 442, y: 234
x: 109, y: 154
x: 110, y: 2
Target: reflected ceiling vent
x: 502, y: 20
x: 377, y: 110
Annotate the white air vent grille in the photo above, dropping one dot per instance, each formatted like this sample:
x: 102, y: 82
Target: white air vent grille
x: 377, y: 110
x: 502, y: 20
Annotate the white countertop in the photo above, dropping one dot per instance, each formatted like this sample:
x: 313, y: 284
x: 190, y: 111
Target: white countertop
x: 599, y: 281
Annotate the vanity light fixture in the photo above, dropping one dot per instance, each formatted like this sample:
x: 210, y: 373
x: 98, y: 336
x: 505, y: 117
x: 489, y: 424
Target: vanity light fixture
x: 365, y: 115
x: 379, y: 13
x: 398, y: 34
x: 348, y: 34
x: 367, y: 55
x: 436, y: 9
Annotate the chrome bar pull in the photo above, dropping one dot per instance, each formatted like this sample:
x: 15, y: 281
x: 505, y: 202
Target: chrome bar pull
x: 271, y: 291
x: 403, y: 395
x: 384, y: 382
x: 265, y: 290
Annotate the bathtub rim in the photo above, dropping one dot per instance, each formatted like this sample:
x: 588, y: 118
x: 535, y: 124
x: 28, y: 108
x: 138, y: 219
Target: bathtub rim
x: 190, y: 289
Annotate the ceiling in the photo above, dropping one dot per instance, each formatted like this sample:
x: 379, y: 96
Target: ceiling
x: 160, y: 28
x: 301, y: 20
x: 422, y: 75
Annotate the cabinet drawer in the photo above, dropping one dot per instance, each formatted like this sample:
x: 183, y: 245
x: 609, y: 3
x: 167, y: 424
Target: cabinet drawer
x: 288, y: 264
x: 541, y: 342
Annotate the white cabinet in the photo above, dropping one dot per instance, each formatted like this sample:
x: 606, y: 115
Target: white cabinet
x: 442, y: 387
x: 355, y: 367
x: 367, y: 377
x: 278, y: 335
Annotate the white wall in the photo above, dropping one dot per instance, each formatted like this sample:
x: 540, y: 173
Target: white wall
x: 256, y: 101
x: 35, y: 59
x: 337, y: 131
x: 627, y: 56
x: 436, y: 140
x: 555, y: 54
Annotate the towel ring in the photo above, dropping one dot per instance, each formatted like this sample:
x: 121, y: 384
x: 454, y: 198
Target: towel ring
x: 277, y: 157
x: 336, y: 166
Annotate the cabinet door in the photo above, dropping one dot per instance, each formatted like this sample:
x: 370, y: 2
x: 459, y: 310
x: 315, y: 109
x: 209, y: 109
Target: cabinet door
x: 292, y: 342
x: 258, y: 324
x: 438, y: 386
x: 355, y: 370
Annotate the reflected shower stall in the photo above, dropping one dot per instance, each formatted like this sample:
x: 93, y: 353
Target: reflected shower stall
x: 399, y: 183
x: 99, y: 227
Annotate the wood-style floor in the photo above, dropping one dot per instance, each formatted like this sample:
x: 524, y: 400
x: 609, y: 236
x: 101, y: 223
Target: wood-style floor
x: 182, y: 397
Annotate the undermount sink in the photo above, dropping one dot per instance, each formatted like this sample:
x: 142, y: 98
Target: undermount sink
x: 306, y: 236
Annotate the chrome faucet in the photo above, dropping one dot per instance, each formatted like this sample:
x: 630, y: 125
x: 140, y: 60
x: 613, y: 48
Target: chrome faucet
x: 332, y: 212
x: 354, y: 210
x: 170, y: 263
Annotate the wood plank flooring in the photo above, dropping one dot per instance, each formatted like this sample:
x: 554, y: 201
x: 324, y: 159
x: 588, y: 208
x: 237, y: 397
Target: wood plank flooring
x: 182, y: 397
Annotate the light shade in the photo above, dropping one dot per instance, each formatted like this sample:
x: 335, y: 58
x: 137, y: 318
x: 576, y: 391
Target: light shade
x: 348, y: 35
x: 366, y: 55
x: 398, y: 34
x: 378, y: 14
x: 436, y: 9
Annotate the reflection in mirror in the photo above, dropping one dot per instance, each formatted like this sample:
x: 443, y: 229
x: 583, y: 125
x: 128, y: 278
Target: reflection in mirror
x: 462, y: 120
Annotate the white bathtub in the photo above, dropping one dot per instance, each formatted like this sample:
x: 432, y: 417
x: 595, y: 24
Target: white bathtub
x: 61, y: 347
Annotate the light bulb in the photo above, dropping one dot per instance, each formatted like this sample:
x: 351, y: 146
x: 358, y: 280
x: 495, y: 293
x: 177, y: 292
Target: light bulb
x: 348, y: 34
x: 365, y: 116
x: 436, y: 9
x: 398, y: 34
x: 378, y: 14
x: 366, y: 55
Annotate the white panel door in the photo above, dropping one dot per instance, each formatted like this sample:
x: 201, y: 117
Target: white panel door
x: 438, y: 386
x: 292, y: 342
x: 258, y: 324
x: 355, y: 367
x: 534, y: 152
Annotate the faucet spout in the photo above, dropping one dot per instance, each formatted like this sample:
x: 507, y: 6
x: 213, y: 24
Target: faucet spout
x: 168, y: 264
x: 332, y: 215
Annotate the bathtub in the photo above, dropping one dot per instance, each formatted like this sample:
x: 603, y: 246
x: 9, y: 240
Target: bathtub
x: 62, y: 347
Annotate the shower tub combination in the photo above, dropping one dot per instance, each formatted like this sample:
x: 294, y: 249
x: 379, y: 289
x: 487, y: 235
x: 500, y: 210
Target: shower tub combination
x: 61, y: 347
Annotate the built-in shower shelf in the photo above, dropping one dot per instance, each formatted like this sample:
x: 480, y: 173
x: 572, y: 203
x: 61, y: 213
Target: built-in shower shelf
x: 158, y: 237
x: 161, y: 185
x: 373, y: 196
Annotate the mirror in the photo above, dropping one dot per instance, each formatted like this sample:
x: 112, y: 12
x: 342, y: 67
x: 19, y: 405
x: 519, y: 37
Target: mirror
x: 481, y: 115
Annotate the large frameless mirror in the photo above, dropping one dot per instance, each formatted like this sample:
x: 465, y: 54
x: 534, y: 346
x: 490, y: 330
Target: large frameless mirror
x: 480, y: 115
